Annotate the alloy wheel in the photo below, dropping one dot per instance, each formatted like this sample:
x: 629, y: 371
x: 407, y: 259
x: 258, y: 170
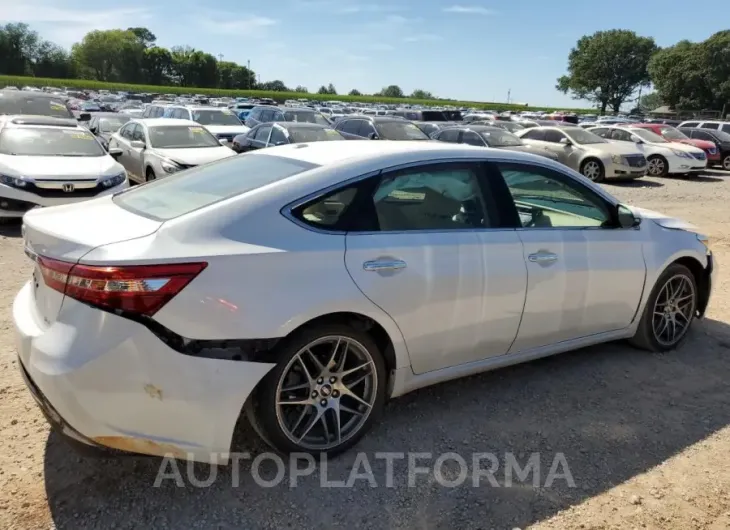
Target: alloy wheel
x: 673, y: 310
x: 592, y: 170
x: 655, y: 166
x: 326, y: 393
x: 726, y: 163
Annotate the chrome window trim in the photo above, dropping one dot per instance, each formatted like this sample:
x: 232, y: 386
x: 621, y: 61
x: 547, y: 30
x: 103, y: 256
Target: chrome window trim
x: 286, y: 210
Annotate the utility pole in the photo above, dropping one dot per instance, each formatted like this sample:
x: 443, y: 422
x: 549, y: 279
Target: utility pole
x: 509, y: 93
x: 220, y: 56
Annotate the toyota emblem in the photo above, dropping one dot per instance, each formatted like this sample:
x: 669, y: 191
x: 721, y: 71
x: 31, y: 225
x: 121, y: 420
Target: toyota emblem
x: 68, y: 187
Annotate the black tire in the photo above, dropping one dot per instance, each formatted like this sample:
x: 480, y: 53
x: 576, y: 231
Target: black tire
x: 726, y: 162
x: 262, y: 409
x: 593, y: 162
x: 645, y: 337
x: 661, y: 163
x: 150, y: 175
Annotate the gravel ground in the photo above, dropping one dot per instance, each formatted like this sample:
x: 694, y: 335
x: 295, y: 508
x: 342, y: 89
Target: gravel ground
x: 645, y: 437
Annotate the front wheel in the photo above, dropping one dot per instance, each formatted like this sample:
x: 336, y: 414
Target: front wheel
x: 593, y: 170
x: 657, y: 166
x: 669, y: 312
x: 325, y: 393
x: 726, y: 162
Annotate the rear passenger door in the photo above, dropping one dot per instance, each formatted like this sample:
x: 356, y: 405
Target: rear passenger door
x: 434, y: 257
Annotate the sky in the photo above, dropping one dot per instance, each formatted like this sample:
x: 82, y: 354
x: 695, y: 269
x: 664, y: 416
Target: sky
x: 476, y: 50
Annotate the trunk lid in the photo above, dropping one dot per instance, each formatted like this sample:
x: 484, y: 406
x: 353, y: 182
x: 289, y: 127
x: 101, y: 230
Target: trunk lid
x: 67, y: 233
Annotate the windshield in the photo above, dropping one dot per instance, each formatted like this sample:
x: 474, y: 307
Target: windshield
x: 112, y: 124
x: 181, y: 137
x: 132, y: 104
x: 433, y: 115
x: 303, y: 116
x: 500, y: 139
x: 37, y: 141
x: 196, y: 188
x: 400, y: 130
x: 510, y: 126
x: 302, y: 135
x: 649, y: 136
x: 216, y: 117
x: 38, y: 106
x: 583, y: 137
x: 670, y: 133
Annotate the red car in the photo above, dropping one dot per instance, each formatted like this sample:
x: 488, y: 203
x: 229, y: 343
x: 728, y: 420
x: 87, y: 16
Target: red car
x: 672, y: 134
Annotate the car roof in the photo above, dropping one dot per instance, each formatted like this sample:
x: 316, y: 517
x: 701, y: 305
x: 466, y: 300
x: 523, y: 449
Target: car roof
x: 335, y: 152
x: 152, y: 122
x: 109, y: 115
x: 25, y: 120
x: 20, y: 94
x: 298, y: 125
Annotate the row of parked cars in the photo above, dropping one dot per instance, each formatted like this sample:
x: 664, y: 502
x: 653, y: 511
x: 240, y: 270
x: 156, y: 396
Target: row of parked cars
x: 50, y: 154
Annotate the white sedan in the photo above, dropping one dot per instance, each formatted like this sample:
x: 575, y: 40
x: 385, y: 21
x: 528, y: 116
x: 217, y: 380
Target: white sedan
x: 304, y: 285
x: 663, y: 157
x: 47, y: 161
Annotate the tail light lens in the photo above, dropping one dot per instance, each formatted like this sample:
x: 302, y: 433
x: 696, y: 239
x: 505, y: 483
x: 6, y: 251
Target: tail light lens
x: 140, y: 289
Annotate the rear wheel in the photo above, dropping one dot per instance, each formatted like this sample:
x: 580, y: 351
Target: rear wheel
x: 593, y: 170
x: 669, y: 312
x: 325, y: 393
x: 657, y: 166
x: 726, y: 162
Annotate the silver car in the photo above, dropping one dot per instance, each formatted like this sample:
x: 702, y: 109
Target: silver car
x: 157, y: 147
x: 592, y: 156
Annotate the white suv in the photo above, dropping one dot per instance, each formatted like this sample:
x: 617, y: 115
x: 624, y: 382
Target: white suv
x: 723, y: 126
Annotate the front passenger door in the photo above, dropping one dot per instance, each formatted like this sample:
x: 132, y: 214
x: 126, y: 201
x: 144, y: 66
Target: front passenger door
x: 435, y: 262
x: 585, y: 275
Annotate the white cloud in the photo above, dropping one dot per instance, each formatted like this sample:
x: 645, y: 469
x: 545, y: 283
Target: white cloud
x: 66, y: 26
x: 423, y: 37
x: 249, y: 26
x: 344, y: 7
x: 469, y: 10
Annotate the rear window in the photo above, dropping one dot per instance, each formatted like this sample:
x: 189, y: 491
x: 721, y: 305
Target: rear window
x: 199, y: 187
x: 36, y: 105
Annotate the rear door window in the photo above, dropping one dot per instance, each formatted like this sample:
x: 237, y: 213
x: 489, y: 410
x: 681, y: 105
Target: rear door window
x: 196, y: 188
x: 715, y: 126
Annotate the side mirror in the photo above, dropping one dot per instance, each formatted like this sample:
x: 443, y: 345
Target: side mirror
x: 626, y: 218
x: 136, y: 144
x: 373, y: 136
x: 115, y: 152
x: 637, y: 140
x: 566, y: 141
x: 84, y: 116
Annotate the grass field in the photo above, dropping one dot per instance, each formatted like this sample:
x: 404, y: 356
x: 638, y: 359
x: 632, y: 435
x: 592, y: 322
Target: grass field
x: 6, y: 80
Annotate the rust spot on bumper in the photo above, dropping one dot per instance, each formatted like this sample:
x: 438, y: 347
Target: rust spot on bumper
x: 153, y: 391
x: 140, y: 445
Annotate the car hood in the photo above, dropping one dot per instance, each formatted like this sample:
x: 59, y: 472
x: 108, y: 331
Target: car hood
x: 664, y: 220
x: 59, y: 167
x: 679, y: 147
x: 196, y: 156
x: 227, y: 129
x: 702, y: 144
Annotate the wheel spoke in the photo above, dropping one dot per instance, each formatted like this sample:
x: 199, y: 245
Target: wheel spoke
x: 345, y: 408
x: 298, y: 386
x: 304, y: 412
x: 323, y: 419
x: 331, y: 362
x: 357, y: 381
x: 312, y: 423
x: 338, y: 424
x: 300, y: 402
x: 357, y: 398
x: 320, y: 366
x: 357, y: 368
x: 306, y: 370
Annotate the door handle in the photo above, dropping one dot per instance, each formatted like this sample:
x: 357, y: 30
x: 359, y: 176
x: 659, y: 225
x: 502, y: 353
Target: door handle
x: 384, y: 265
x: 543, y: 258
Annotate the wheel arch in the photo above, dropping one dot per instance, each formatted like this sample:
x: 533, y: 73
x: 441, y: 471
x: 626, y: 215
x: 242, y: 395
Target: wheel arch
x: 701, y: 274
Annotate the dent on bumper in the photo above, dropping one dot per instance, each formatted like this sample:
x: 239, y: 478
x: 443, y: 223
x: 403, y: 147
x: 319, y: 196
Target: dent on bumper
x: 116, y: 384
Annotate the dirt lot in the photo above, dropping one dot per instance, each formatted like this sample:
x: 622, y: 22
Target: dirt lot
x: 646, y: 437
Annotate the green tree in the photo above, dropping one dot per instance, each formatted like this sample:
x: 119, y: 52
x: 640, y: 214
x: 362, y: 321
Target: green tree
x: 607, y: 67
x: 301, y: 89
x: 157, y: 65
x: 331, y: 89
x: 692, y: 75
x: 144, y: 36
x: 354, y: 92
x: 113, y: 55
x: 275, y: 86
x: 322, y: 90
x: 18, y: 44
x: 650, y: 101
x: 421, y: 94
x: 392, y: 91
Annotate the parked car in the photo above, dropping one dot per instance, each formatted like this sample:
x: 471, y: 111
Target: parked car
x: 158, y: 147
x: 280, y: 133
x: 719, y: 138
x: 430, y: 128
x: 672, y: 134
x: 242, y: 109
x: 48, y: 161
x: 422, y: 115
x: 510, y: 126
x: 264, y: 114
x: 304, y: 115
x: 293, y: 285
x: 662, y: 157
x: 17, y: 102
x: 103, y: 124
x: 154, y: 110
x: 378, y: 128
x: 723, y: 126
x: 487, y: 136
x: 594, y: 157
x: 221, y: 122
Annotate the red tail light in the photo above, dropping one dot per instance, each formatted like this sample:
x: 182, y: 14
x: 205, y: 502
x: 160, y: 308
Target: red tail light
x: 141, y: 289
